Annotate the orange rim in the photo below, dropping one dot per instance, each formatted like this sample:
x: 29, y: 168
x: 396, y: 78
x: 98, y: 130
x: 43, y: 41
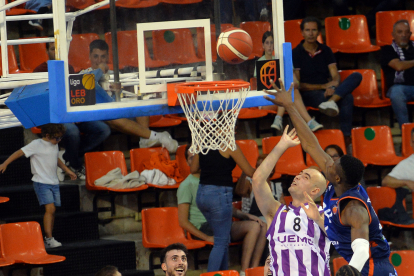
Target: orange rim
x: 192, y: 87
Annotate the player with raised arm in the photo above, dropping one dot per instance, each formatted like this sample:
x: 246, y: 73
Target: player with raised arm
x: 297, y: 245
x: 349, y: 219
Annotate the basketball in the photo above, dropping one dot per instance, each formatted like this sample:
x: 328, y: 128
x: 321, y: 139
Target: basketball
x: 234, y: 46
x: 88, y: 81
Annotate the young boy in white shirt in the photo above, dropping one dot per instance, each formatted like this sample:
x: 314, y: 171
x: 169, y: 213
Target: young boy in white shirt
x: 44, y: 160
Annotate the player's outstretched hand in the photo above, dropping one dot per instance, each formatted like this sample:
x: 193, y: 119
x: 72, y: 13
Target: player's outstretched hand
x: 311, y: 210
x: 281, y: 96
x: 3, y: 168
x: 288, y: 139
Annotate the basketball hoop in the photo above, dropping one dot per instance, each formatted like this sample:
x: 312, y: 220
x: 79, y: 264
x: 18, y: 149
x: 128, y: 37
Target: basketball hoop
x: 211, y: 108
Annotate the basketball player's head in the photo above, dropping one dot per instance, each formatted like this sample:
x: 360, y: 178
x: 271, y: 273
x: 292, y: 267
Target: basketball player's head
x: 347, y: 270
x: 347, y: 170
x: 98, y: 53
x: 310, y: 27
x: 309, y: 180
x: 109, y: 270
x: 174, y: 260
x: 267, y: 271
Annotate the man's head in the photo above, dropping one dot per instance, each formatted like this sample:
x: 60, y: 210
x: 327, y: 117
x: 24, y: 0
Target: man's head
x: 267, y: 271
x: 98, y: 53
x: 109, y: 270
x: 310, y: 180
x: 50, y: 49
x: 310, y: 27
x: 347, y: 171
x: 401, y: 33
x: 174, y: 260
x: 334, y: 151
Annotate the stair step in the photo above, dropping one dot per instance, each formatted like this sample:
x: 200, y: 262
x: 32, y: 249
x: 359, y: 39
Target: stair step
x: 90, y: 256
x: 23, y: 200
x: 69, y: 226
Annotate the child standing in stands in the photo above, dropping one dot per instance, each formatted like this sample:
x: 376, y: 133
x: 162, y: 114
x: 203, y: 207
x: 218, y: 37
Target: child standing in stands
x: 44, y: 160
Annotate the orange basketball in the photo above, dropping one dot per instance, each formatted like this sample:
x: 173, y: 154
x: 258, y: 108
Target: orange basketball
x: 234, y: 45
x: 88, y: 81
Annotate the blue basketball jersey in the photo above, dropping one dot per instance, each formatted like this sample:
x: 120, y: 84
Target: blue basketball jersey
x: 340, y: 235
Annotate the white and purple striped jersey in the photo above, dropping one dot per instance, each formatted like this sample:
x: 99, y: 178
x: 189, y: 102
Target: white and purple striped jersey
x: 298, y: 247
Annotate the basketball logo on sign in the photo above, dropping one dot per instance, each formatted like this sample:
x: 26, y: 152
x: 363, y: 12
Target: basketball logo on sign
x: 234, y: 45
x: 268, y: 72
x: 88, y: 81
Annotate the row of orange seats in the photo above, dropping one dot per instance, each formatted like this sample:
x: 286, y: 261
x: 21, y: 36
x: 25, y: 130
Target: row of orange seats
x: 131, y: 4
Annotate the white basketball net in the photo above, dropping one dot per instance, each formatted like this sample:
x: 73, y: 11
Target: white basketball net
x: 211, y: 116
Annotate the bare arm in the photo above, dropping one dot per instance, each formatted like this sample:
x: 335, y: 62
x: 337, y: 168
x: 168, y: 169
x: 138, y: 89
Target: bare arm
x: 395, y: 183
x: 66, y: 169
x: 16, y: 155
x: 356, y: 215
x: 264, y: 198
x: 183, y: 212
x: 241, y: 160
x: 243, y: 186
x: 400, y: 65
x: 308, y: 140
x: 195, y: 165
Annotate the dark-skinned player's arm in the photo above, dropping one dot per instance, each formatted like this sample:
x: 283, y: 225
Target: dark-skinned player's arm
x: 355, y: 215
x: 308, y: 140
x: 264, y: 197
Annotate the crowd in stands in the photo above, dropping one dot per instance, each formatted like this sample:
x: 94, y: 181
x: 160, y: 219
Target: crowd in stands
x: 204, y: 198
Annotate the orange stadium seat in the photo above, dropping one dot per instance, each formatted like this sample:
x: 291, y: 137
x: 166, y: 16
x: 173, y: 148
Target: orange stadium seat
x: 406, y: 149
x: 327, y: 137
x: 291, y: 162
x: 4, y: 199
x: 134, y: 4
x: 160, y: 228
x: 288, y: 199
x: 32, y: 55
x: 374, y: 145
x: 23, y: 243
x: 182, y: 162
x: 177, y: 41
x: 162, y: 121
x: 222, y: 273
x: 293, y: 33
x: 366, y: 95
x: 79, y: 50
x: 3, y: 260
x: 385, y: 21
x: 80, y: 4
x: 180, y: 1
x: 13, y: 67
x: 200, y: 41
x: 349, y: 34
x: 250, y: 151
x: 338, y: 263
x: 256, y: 29
x: 18, y: 10
x: 128, y: 51
x: 402, y: 261
x: 139, y: 156
x: 255, y: 271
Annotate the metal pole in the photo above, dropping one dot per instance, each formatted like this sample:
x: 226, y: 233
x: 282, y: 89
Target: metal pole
x: 217, y: 22
x: 116, y: 85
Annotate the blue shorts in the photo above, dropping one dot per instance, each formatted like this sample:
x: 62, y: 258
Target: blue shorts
x: 379, y: 268
x: 47, y: 193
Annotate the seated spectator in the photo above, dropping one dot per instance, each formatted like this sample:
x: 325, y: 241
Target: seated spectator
x: 108, y: 270
x: 267, y: 270
x: 98, y: 55
x: 79, y: 138
x: 251, y: 229
x: 268, y: 47
x: 245, y: 190
x: 397, y: 62
x: 39, y: 6
x: 319, y: 80
x: 402, y: 175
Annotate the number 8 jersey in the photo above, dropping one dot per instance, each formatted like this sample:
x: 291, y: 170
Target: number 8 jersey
x: 297, y: 245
